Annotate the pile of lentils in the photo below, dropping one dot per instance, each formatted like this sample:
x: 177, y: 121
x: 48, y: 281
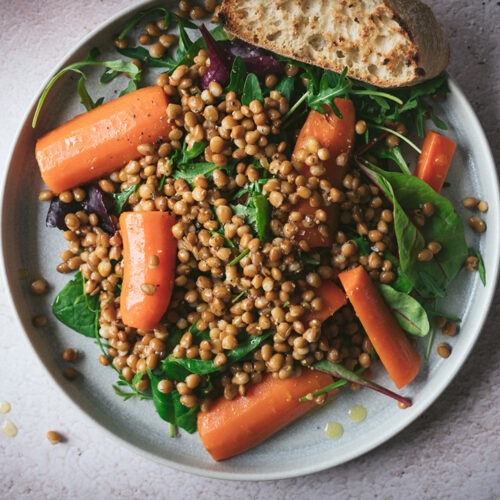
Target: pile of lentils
x: 257, y: 286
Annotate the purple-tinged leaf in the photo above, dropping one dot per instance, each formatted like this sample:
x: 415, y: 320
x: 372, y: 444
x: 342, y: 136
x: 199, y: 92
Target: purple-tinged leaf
x: 221, y: 60
x: 98, y: 203
x: 339, y: 371
x: 58, y: 211
x: 262, y: 65
x: 222, y: 54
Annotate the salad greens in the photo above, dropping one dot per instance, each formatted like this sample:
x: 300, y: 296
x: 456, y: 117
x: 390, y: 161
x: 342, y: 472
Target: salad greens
x: 76, y: 309
x: 118, y: 65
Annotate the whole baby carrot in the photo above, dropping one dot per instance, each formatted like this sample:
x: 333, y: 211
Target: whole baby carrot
x: 232, y: 427
x: 96, y: 143
x: 337, y: 136
x: 388, y: 339
x: 149, y: 253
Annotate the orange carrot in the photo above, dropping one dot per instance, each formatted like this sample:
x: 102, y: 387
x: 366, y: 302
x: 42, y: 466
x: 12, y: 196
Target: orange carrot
x: 336, y: 135
x: 389, y: 341
x: 333, y: 299
x: 232, y: 427
x: 149, y: 253
x: 96, y: 143
x: 434, y: 162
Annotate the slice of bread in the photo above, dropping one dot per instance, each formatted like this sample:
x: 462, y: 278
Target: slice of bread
x: 388, y: 43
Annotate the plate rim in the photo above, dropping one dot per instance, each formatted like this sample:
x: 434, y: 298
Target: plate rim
x: 306, y: 469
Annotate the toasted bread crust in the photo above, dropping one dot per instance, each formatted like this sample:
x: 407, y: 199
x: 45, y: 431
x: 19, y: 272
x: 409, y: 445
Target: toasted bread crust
x: 388, y: 43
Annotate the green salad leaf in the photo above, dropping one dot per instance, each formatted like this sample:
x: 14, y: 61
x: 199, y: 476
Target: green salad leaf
x: 257, y: 211
x: 190, y: 171
x: 408, y: 193
x: 237, y: 77
x: 169, y: 407
x: 181, y: 367
x: 121, y: 198
x: 409, y: 313
x: 116, y: 65
x: 251, y: 90
x: 76, y: 309
x: 480, y: 265
x: 85, y: 98
x: 143, y: 55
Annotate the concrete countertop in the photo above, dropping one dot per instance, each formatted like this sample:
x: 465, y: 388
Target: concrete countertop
x: 452, y: 451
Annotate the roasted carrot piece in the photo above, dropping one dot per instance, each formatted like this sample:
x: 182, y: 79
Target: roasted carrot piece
x: 94, y: 144
x: 388, y: 339
x: 149, y: 253
x: 336, y: 135
x: 333, y: 299
x: 232, y: 427
x: 435, y: 160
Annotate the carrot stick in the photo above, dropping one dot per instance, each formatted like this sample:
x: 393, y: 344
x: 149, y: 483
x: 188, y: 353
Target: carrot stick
x: 149, y: 253
x: 435, y: 160
x: 333, y: 299
x: 336, y: 135
x: 389, y: 341
x: 96, y: 143
x: 232, y: 427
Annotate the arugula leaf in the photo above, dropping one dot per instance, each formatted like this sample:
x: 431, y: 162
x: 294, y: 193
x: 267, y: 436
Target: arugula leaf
x: 409, y: 313
x: 121, y: 198
x: 257, y: 212
x: 309, y: 260
x: 76, y: 309
x: 328, y: 388
x: 339, y: 371
x: 184, y: 42
x: 182, y: 366
x: 85, y: 98
x: 189, y: 172
x: 408, y: 193
x: 480, y: 265
x: 186, y: 155
x: 238, y: 72
x: 384, y: 151
x: 331, y: 86
x: 108, y: 75
x: 251, y: 90
x: 117, y: 65
x: 132, y: 85
x: 239, y: 257
x: 143, y: 55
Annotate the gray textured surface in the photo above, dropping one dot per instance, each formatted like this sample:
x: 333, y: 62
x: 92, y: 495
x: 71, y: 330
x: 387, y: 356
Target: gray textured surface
x: 453, y: 450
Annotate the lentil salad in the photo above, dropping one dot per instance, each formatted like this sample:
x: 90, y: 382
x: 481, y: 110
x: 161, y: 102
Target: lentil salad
x: 246, y: 276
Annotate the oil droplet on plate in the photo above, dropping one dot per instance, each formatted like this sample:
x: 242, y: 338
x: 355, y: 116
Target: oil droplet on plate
x: 4, y: 407
x: 357, y: 413
x: 334, y: 430
x: 9, y: 428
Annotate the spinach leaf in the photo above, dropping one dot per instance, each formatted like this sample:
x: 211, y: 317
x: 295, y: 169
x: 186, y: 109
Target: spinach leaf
x: 408, y: 193
x: 401, y: 283
x: 480, y: 265
x: 76, y: 309
x: 251, y: 90
x: 286, y: 87
x: 169, y: 407
x: 120, y: 199
x: 238, y: 72
x: 180, y: 367
x: 85, y: 98
x: 409, y: 313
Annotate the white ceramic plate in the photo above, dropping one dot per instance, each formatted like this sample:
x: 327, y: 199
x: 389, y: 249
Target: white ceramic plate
x: 302, y: 448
